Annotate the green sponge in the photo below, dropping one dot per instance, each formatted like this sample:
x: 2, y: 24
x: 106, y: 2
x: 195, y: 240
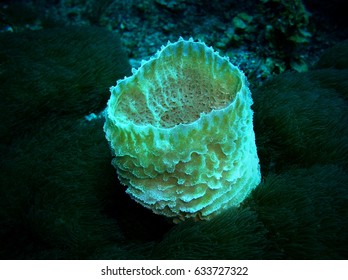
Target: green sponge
x: 182, y: 133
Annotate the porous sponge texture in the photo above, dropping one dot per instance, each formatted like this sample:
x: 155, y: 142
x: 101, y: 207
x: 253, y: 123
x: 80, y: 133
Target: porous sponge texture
x: 182, y: 133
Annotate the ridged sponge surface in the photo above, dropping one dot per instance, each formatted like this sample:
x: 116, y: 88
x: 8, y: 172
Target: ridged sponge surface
x: 182, y: 133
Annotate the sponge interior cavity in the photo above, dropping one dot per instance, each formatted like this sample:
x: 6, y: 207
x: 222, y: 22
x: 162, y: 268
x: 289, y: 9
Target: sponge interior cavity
x: 180, y: 89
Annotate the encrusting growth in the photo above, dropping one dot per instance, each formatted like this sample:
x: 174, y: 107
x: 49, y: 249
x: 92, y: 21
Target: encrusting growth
x: 182, y: 133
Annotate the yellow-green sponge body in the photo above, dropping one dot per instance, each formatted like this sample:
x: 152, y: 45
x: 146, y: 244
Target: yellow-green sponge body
x: 182, y: 133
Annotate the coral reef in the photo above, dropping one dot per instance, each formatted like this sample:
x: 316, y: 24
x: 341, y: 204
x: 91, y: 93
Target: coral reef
x: 263, y: 38
x: 182, y: 133
x: 59, y: 194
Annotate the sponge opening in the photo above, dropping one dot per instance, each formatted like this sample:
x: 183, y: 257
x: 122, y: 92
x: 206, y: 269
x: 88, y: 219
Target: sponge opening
x: 167, y: 92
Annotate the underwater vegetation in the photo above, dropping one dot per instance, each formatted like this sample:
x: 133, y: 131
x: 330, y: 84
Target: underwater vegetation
x: 53, y: 72
x: 301, y: 118
x: 59, y: 194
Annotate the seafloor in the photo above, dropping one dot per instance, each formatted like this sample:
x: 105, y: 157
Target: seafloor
x: 59, y: 194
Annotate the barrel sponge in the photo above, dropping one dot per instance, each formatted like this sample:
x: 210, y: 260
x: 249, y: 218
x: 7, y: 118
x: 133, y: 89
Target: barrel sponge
x: 182, y: 134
